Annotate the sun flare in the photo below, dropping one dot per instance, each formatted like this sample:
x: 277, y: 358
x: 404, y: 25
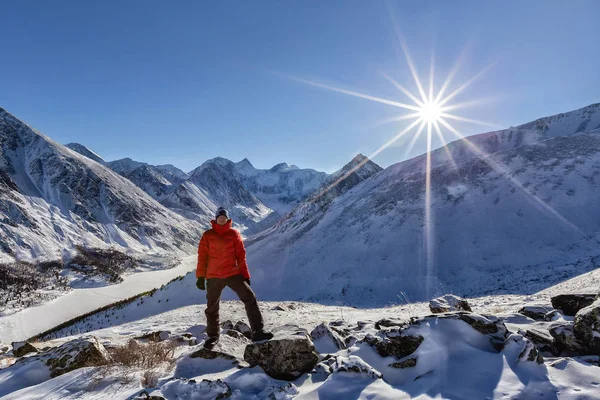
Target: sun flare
x: 430, y: 112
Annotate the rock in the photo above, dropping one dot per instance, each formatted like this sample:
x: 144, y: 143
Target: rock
x: 350, y: 340
x: 408, y: 363
x: 526, y: 350
x: 22, y: 348
x: 394, y: 342
x: 287, y: 391
x: 553, y: 315
x: 243, y: 328
x: 227, y: 325
x: 323, y: 330
x: 536, y: 311
x: 278, y: 308
x: 570, y: 304
x: 542, y: 339
x: 236, y: 334
x: 83, y: 352
x: 565, y: 340
x: 587, y: 327
x: 387, y: 323
x: 489, y: 325
x: 339, y: 322
x: 211, y: 355
x: 361, y: 325
x: 286, y: 356
x: 447, y: 303
x: 158, y: 336
x: 353, y: 365
x: 190, y: 389
x: 145, y: 396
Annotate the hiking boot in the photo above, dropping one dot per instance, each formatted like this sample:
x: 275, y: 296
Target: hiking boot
x: 260, y: 334
x: 211, y: 342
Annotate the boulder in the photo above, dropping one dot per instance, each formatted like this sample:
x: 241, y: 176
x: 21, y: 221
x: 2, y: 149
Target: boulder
x: 536, y: 311
x: 289, y: 354
x: 570, y: 304
x: 322, y: 331
x: 526, y: 350
x: 447, y: 303
x: 542, y: 339
x: 388, y: 323
x: 397, y: 342
x: 587, y: 327
x: 227, y: 325
x: 553, y: 315
x: 22, y: 348
x: 180, y: 388
x: 83, y: 352
x: 565, y: 340
x: 406, y: 363
x: 353, y: 365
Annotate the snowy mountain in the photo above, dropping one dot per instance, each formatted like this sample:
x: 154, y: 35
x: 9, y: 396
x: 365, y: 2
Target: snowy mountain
x: 282, y: 187
x: 81, y: 149
x: 216, y: 183
x: 53, y: 198
x: 522, y: 211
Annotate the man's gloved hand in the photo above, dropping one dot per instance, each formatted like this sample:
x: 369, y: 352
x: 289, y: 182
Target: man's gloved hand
x: 201, y: 283
x: 247, y: 280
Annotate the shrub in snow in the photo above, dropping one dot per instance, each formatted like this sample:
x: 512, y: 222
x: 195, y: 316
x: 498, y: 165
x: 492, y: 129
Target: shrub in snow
x: 587, y: 327
x: 447, y: 303
x: 570, y: 304
x: 289, y: 354
x: 143, y: 355
x: 323, y: 331
x: 536, y: 311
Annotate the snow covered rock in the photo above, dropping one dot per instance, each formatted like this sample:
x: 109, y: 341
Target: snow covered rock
x: 387, y: 323
x: 288, y: 391
x: 158, y: 336
x: 324, y: 333
x: 488, y: 325
x: 22, y: 348
x: 290, y: 353
x: 570, y: 304
x: 409, y: 362
x: 542, y: 339
x: 536, y: 311
x: 78, y: 353
x: 587, y: 327
x: 353, y: 365
x: 190, y: 389
x: 394, y: 342
x: 526, y: 350
x: 227, y: 325
x: 243, y: 328
x: 565, y: 340
x: 447, y: 303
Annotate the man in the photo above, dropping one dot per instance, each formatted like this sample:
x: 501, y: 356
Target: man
x: 222, y: 262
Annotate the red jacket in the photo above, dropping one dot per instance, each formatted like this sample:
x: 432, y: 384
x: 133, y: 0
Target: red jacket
x: 221, y: 253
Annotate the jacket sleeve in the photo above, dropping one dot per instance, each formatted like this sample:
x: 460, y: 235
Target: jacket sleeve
x: 240, y: 256
x: 202, y: 258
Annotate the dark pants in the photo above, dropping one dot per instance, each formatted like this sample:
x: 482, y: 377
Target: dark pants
x: 214, y: 287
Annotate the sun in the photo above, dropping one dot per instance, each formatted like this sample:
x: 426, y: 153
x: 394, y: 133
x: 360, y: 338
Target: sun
x: 430, y: 112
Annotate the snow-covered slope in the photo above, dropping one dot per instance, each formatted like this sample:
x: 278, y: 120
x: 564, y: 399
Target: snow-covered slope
x: 81, y: 149
x: 524, y: 216
x: 52, y: 198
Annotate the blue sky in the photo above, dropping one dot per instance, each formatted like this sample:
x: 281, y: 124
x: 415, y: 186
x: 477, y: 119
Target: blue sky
x: 181, y: 82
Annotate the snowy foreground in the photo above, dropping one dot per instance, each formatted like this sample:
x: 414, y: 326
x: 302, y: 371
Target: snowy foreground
x: 487, y: 358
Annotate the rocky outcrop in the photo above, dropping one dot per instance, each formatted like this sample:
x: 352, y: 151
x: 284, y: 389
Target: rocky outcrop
x: 22, y: 348
x: 570, y: 304
x: 289, y: 354
x: 536, y: 311
x: 587, y: 327
x: 447, y: 303
x: 527, y: 351
x: 565, y: 340
x: 323, y: 330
